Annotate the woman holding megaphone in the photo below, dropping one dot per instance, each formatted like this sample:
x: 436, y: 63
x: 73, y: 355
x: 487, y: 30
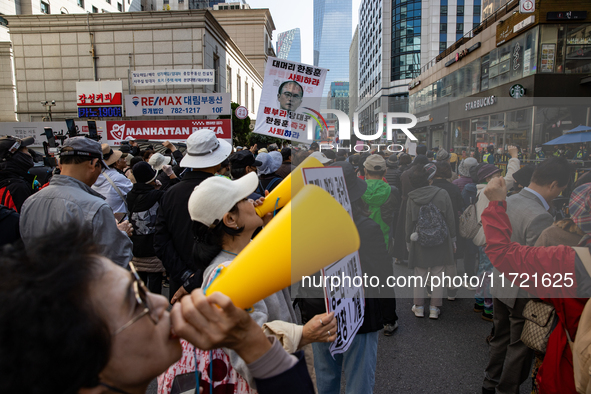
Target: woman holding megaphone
x: 224, y: 221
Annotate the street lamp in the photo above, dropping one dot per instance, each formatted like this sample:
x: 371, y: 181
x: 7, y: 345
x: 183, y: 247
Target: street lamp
x: 48, y: 106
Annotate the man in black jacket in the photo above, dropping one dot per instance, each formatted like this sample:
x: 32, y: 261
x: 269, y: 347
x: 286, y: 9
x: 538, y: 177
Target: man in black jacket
x: 16, y: 184
x: 173, y: 241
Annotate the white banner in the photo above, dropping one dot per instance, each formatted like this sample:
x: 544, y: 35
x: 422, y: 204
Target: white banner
x: 177, y: 104
x: 291, y: 95
x: 172, y: 77
x: 347, y: 302
x: 36, y: 129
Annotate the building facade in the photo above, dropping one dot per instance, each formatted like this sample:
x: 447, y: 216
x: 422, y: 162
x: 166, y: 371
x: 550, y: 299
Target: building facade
x: 521, y: 81
x: 53, y: 52
x: 353, y: 74
x: 35, y: 7
x: 396, y: 39
x: 332, y: 38
x: 289, y: 45
x: 252, y: 30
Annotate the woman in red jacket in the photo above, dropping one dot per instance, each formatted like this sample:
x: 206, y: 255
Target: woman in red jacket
x: 554, y: 274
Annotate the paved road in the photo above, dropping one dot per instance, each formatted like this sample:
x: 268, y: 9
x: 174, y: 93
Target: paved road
x: 433, y: 356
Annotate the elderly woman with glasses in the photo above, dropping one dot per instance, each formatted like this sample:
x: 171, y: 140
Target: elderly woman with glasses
x: 73, y: 322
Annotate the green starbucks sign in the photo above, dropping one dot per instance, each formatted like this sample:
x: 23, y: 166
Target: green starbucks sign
x: 517, y: 91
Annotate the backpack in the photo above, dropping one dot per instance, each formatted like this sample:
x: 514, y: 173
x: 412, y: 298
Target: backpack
x: 581, y: 347
x: 431, y: 227
x: 469, y: 223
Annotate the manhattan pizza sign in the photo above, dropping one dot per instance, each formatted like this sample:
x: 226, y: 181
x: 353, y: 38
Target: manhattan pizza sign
x: 160, y: 130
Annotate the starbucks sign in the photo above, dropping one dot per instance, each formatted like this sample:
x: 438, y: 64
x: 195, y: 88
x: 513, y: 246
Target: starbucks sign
x: 517, y: 91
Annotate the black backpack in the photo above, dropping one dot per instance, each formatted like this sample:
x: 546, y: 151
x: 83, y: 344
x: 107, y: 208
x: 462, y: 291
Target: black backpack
x: 431, y: 227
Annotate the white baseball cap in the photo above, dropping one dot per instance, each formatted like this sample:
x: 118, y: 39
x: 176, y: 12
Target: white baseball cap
x: 320, y: 156
x: 216, y: 195
x: 157, y: 160
x: 205, y: 150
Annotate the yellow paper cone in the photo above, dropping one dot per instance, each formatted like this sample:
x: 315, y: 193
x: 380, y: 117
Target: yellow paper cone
x: 288, y: 187
x: 323, y: 232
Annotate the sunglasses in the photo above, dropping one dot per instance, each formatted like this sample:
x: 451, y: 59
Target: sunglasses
x: 141, y: 299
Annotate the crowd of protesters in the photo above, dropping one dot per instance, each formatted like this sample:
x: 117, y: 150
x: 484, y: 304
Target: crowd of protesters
x: 86, y: 254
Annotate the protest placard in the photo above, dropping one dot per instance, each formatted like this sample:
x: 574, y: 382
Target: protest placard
x: 291, y: 96
x: 346, y: 301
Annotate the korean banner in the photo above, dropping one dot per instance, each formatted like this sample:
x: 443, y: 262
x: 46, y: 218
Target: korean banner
x: 291, y: 95
x: 177, y: 104
x: 346, y: 301
x: 172, y: 130
x: 98, y: 93
x: 150, y: 78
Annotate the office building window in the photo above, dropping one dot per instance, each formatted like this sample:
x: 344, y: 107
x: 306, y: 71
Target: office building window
x: 229, y: 81
x: 119, y: 7
x: 443, y: 10
x: 442, y: 46
x: 81, y: 3
x: 443, y: 27
x: 44, y: 8
x: 108, y: 1
x: 246, y: 94
x: 406, y: 39
x: 459, y: 28
x: 216, y: 73
x: 252, y: 99
x: 460, y: 10
x: 94, y: 10
x: 239, y: 89
x: 477, y: 10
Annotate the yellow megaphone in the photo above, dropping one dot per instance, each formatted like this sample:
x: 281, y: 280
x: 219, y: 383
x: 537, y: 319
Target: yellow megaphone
x: 279, y: 257
x: 288, y: 188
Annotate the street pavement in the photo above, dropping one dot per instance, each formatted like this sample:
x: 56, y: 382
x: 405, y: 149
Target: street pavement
x: 447, y: 355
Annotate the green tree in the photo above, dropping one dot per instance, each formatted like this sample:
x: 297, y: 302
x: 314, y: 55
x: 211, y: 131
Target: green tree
x: 240, y: 127
x: 242, y: 135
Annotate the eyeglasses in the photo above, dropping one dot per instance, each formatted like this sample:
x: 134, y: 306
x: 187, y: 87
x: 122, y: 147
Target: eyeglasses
x: 141, y: 298
x: 292, y: 96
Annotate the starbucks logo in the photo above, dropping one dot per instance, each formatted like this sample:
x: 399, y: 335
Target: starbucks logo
x: 517, y: 91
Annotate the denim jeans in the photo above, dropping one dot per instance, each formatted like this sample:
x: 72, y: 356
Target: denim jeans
x: 359, y: 362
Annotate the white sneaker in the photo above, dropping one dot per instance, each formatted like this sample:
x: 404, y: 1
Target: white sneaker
x: 434, y: 312
x: 418, y: 310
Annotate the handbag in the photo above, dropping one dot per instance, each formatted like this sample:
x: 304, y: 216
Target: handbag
x: 540, y: 320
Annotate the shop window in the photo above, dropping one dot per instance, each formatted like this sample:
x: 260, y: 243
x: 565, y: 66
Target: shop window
x: 578, y: 50
x: 552, y: 40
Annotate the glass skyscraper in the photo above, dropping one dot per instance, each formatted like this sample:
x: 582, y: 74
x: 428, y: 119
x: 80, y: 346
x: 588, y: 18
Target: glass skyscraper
x: 332, y: 38
x: 289, y: 45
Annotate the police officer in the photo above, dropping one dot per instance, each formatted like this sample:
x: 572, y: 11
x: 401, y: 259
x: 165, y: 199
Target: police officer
x: 540, y: 155
x: 489, y: 156
x: 582, y: 153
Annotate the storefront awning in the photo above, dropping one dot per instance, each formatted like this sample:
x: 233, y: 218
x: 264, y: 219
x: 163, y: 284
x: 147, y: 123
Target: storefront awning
x: 571, y: 138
